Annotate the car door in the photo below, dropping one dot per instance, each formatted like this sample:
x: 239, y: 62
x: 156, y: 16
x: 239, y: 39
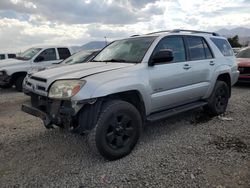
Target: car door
x: 202, y: 64
x: 46, y: 58
x: 170, y: 81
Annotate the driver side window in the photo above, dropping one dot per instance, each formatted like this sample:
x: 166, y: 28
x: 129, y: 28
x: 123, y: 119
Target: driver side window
x: 47, y: 55
x: 175, y: 44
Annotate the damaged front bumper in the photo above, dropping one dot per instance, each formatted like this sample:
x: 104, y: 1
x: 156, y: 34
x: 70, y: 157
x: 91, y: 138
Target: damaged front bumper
x: 38, y: 113
x: 63, y: 113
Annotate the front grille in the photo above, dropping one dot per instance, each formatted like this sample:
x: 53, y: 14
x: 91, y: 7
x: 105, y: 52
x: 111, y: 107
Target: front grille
x: 41, y: 88
x: 38, y: 79
x: 244, y: 70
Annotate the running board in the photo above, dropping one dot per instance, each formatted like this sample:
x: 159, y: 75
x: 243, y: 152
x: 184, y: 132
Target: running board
x: 174, y: 111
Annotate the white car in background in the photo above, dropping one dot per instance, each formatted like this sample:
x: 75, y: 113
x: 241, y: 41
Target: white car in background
x: 7, y: 56
x: 77, y: 58
x: 13, y: 71
x: 236, y: 50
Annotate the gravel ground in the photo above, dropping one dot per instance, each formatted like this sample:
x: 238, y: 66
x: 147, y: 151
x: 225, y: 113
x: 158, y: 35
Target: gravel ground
x: 188, y: 150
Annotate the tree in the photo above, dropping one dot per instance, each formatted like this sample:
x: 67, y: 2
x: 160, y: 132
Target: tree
x: 234, y: 41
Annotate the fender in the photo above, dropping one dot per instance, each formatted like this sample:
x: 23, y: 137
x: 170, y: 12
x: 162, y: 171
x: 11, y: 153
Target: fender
x: 222, y: 69
x: 125, y: 84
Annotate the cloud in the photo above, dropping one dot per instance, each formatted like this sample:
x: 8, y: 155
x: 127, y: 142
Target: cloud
x: 82, y: 12
x: 75, y: 22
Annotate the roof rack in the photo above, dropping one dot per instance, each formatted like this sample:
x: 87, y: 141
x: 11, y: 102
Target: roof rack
x: 164, y: 31
x: 134, y: 35
x: 185, y: 30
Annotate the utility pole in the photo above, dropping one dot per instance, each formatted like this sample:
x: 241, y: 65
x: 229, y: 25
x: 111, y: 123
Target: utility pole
x: 106, y: 42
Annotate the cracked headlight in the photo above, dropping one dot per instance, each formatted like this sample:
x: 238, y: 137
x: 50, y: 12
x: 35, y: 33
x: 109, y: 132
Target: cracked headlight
x: 65, y: 89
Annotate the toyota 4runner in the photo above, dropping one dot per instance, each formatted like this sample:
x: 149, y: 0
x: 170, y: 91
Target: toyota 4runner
x: 134, y: 80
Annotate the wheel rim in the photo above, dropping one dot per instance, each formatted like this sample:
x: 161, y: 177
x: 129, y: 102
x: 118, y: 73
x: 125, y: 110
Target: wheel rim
x: 120, y: 131
x: 221, y: 99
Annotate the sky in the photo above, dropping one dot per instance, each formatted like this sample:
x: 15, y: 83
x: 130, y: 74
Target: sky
x: 24, y: 23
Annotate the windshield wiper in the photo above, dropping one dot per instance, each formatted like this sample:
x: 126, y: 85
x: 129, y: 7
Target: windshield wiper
x: 115, y: 60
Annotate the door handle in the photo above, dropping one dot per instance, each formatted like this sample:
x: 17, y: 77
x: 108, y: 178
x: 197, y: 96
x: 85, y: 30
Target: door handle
x: 186, y: 66
x: 212, y: 63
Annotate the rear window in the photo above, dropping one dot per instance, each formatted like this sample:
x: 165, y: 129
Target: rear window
x: 245, y: 53
x: 223, y: 46
x: 11, y: 55
x: 63, y: 53
x: 2, y: 56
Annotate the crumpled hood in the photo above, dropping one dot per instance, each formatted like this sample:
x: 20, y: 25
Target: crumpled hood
x: 78, y: 71
x: 243, y: 62
x: 11, y: 62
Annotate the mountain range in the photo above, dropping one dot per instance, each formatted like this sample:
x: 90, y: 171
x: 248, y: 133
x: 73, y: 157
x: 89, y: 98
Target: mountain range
x: 242, y: 32
x: 90, y: 46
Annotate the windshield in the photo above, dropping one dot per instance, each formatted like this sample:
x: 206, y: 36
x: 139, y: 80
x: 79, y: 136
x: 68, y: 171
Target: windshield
x: 79, y: 57
x: 130, y: 50
x: 245, y: 53
x: 28, y: 54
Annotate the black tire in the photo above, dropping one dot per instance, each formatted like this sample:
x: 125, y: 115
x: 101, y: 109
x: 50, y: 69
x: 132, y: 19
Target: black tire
x: 218, y: 100
x: 19, y: 83
x: 117, y: 130
x: 6, y: 86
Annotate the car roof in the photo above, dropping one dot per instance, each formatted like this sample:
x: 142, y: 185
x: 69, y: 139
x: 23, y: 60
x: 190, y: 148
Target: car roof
x: 48, y: 46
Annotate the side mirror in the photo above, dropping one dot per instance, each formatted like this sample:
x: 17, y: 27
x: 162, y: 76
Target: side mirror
x: 162, y: 56
x: 39, y: 59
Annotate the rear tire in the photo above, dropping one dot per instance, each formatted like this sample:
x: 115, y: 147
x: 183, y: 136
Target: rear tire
x: 19, y: 83
x: 117, y: 130
x: 218, y: 100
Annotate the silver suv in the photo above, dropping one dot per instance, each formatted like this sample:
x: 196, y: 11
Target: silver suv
x: 134, y: 80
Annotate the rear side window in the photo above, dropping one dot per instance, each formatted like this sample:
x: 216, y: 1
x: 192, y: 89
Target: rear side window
x: 63, y: 53
x: 49, y: 54
x: 2, y: 56
x: 207, y: 50
x: 223, y: 46
x: 196, y: 49
x: 11, y: 55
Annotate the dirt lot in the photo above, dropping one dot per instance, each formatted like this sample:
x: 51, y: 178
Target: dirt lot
x: 188, y: 150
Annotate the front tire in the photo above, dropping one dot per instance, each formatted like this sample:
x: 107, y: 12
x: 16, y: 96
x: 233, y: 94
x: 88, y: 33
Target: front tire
x: 117, y: 130
x: 218, y: 100
x: 19, y: 83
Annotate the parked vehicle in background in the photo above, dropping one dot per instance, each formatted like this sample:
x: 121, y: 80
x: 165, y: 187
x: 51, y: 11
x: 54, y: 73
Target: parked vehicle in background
x: 6, y: 56
x: 79, y: 57
x: 243, y: 59
x: 13, y: 71
x: 236, y: 50
x: 133, y: 80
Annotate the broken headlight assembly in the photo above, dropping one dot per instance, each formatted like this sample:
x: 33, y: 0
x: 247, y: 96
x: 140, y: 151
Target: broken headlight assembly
x: 65, y: 89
